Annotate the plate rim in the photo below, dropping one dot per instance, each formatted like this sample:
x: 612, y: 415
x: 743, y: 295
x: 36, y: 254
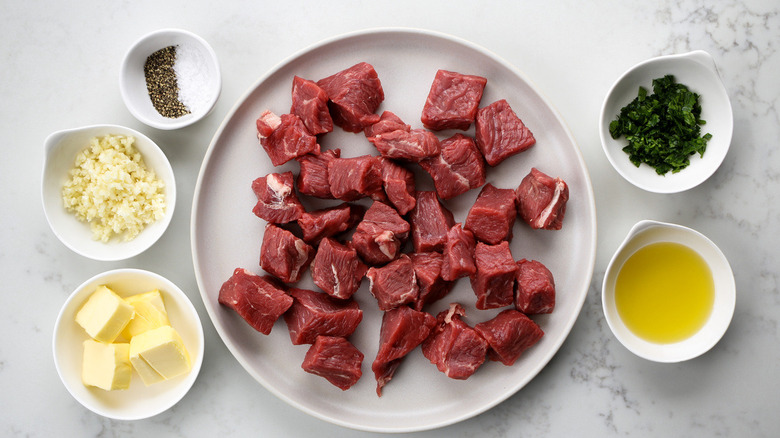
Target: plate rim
x: 406, y: 31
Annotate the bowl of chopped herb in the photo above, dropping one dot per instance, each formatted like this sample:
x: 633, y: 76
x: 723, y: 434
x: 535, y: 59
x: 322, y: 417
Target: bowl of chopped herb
x: 170, y: 79
x: 666, y: 123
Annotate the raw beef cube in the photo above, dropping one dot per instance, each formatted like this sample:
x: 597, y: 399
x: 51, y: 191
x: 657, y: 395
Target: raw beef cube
x: 310, y: 103
x: 315, y: 313
x: 500, y: 133
x: 430, y: 221
x: 329, y: 222
x: 286, y: 139
x: 335, y: 359
x: 354, y: 178
x: 337, y: 269
x: 494, y: 282
x: 379, y: 236
x: 402, y: 330
x: 394, y: 284
x: 427, y: 269
x: 266, y: 123
x: 535, y: 288
x: 458, y: 254
x: 492, y: 216
x: 283, y: 255
x: 456, y: 349
x: 398, y: 183
x: 276, y: 199
x: 541, y: 200
x: 453, y: 101
x: 458, y: 168
x: 259, y: 300
x: 413, y: 145
x: 313, y: 178
x: 509, y: 334
x: 354, y: 93
x: 388, y: 122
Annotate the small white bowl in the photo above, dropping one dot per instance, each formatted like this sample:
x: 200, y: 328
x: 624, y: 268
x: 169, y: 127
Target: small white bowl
x: 139, y: 401
x: 698, y: 71
x: 132, y: 80
x: 60, y: 153
x: 642, y: 234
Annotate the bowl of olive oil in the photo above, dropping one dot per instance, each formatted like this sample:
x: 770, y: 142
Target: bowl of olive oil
x: 668, y: 292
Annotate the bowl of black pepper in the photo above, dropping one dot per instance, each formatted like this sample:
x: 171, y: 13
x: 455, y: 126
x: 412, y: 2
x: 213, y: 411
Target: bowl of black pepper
x: 170, y: 79
x: 666, y: 124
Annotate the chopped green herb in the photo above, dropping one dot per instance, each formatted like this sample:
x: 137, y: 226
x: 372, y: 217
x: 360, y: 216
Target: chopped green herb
x: 663, y: 129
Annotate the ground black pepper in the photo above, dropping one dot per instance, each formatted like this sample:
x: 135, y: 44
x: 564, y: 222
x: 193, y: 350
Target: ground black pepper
x: 162, y: 85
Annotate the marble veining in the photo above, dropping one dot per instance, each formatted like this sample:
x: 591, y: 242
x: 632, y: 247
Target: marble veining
x: 59, y: 69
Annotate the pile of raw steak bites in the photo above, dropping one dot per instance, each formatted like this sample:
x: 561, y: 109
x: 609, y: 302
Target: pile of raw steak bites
x: 406, y: 242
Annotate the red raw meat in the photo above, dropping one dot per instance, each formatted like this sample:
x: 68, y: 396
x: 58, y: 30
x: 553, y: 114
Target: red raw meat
x: 427, y: 269
x: 509, y: 334
x: 394, y: 284
x: 492, y: 216
x: 313, y: 178
x: 310, y: 103
x: 453, y: 101
x: 402, y: 330
x: 330, y: 221
x: 335, y: 359
x: 458, y: 168
x: 430, y: 221
x: 500, y: 133
x: 354, y: 178
x: 494, y: 282
x: 456, y: 349
x: 398, y: 183
x: 283, y: 255
x: 379, y: 236
x: 355, y: 93
x: 315, y: 313
x: 284, y: 137
x: 413, y: 145
x: 259, y: 300
x: 535, y: 288
x: 266, y: 123
x: 541, y: 200
x: 388, y: 122
x: 276, y: 199
x: 458, y: 254
x: 337, y: 269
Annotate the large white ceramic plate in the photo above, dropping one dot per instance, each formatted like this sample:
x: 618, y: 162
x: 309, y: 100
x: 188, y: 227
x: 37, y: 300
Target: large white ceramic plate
x: 226, y: 234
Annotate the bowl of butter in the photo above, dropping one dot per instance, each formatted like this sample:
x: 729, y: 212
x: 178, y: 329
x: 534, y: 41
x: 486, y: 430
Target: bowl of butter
x: 128, y: 344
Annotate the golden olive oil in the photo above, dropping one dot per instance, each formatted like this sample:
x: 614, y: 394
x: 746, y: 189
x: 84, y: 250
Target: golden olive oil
x: 664, y: 292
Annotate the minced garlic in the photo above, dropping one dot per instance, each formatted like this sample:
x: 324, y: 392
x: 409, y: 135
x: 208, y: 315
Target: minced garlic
x: 111, y: 189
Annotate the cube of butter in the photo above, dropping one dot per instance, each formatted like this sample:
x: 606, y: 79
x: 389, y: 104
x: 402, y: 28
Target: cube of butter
x: 104, y: 315
x: 106, y: 366
x: 150, y: 313
x: 159, y: 354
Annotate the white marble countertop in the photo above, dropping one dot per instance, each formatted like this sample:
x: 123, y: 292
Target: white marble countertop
x: 59, y: 64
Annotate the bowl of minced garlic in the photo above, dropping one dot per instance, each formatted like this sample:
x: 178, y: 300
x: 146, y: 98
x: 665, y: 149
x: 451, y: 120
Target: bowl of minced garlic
x: 108, y: 191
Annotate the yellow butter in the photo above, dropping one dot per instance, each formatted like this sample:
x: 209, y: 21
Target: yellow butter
x: 150, y: 313
x: 106, y: 366
x: 104, y: 315
x: 160, y: 350
x: 147, y: 373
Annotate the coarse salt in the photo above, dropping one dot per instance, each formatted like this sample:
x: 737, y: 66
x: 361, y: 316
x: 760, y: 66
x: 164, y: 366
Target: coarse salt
x: 192, y: 77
